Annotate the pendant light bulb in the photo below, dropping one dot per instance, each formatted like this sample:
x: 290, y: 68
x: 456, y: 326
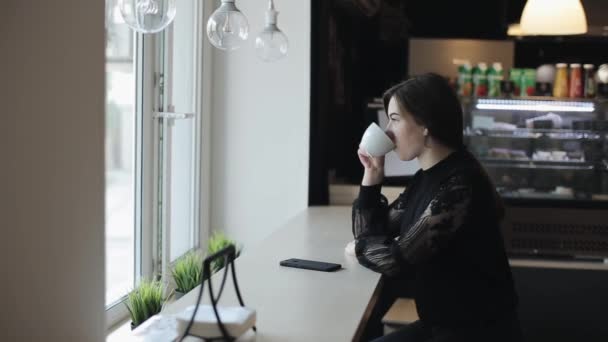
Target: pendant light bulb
x: 271, y: 44
x: 227, y: 28
x: 147, y: 16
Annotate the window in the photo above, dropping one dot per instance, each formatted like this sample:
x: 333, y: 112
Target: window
x: 181, y: 132
x: 153, y: 149
x: 129, y: 161
x: 179, y: 136
x: 121, y: 155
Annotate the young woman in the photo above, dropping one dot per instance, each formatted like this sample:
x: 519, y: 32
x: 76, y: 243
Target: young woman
x: 441, y: 238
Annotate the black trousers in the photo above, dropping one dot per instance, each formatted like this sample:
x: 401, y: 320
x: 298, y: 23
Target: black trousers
x: 504, y: 330
x: 391, y: 289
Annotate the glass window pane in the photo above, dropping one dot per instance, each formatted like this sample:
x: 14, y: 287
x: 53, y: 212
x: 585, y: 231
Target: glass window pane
x: 182, y: 83
x: 182, y: 187
x: 120, y: 156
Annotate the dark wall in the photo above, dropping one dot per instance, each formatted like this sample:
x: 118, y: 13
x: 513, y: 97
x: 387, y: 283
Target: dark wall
x: 318, y: 188
x: 480, y: 19
x: 357, y: 56
x: 532, y: 52
x: 367, y: 55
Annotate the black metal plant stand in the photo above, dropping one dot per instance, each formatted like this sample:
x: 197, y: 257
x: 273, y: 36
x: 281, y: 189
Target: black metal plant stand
x: 228, y: 254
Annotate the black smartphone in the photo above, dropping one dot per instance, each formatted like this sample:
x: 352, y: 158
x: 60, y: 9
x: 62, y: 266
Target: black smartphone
x: 311, y: 265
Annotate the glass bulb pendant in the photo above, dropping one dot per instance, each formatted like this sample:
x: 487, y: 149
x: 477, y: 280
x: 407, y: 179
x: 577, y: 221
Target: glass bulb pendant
x: 147, y: 16
x: 227, y: 27
x: 271, y: 44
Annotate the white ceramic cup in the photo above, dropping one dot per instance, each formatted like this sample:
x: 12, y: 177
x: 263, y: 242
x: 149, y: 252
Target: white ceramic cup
x: 376, y: 142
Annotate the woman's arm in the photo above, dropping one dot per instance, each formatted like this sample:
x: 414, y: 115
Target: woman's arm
x: 372, y: 216
x: 440, y: 221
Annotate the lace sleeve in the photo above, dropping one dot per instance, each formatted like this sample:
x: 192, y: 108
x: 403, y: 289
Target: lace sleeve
x: 372, y: 216
x: 440, y: 221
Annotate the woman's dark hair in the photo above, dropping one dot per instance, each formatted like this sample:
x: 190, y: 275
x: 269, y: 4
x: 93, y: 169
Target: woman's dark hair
x: 433, y: 103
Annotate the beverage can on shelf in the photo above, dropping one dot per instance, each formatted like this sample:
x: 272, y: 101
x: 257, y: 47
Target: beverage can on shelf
x: 576, y: 81
x: 560, y: 85
x: 589, y: 82
x: 465, y: 81
x: 494, y: 78
x: 480, y: 80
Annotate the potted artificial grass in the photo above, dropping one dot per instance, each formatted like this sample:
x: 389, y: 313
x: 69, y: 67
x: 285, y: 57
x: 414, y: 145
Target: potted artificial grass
x: 145, y: 301
x: 187, y: 273
x: 217, y: 242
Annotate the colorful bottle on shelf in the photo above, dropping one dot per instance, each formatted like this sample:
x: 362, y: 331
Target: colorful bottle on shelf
x: 465, y: 81
x: 560, y: 85
x: 480, y: 80
x: 589, y: 82
x: 576, y: 81
x: 494, y: 78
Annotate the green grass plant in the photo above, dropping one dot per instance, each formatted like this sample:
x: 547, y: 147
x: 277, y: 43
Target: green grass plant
x: 217, y: 242
x: 188, y: 271
x: 145, y: 301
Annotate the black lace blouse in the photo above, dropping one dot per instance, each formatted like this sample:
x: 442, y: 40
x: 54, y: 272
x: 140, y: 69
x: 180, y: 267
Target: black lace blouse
x: 444, y: 233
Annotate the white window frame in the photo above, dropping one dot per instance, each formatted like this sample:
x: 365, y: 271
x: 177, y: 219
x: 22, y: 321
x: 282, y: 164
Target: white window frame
x: 204, y: 79
x: 144, y: 208
x: 148, y: 249
x: 201, y: 150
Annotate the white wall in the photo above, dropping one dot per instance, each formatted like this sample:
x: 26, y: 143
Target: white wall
x: 260, y: 128
x: 52, y: 191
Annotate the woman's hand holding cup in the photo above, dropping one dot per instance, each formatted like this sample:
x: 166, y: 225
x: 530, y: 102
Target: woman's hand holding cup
x: 374, y: 145
x: 374, y: 167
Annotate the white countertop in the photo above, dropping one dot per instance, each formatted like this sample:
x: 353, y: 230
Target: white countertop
x: 295, y: 304
x: 302, y: 305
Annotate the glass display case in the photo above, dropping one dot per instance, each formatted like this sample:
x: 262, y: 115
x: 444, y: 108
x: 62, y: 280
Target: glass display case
x: 548, y: 160
x: 541, y: 148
